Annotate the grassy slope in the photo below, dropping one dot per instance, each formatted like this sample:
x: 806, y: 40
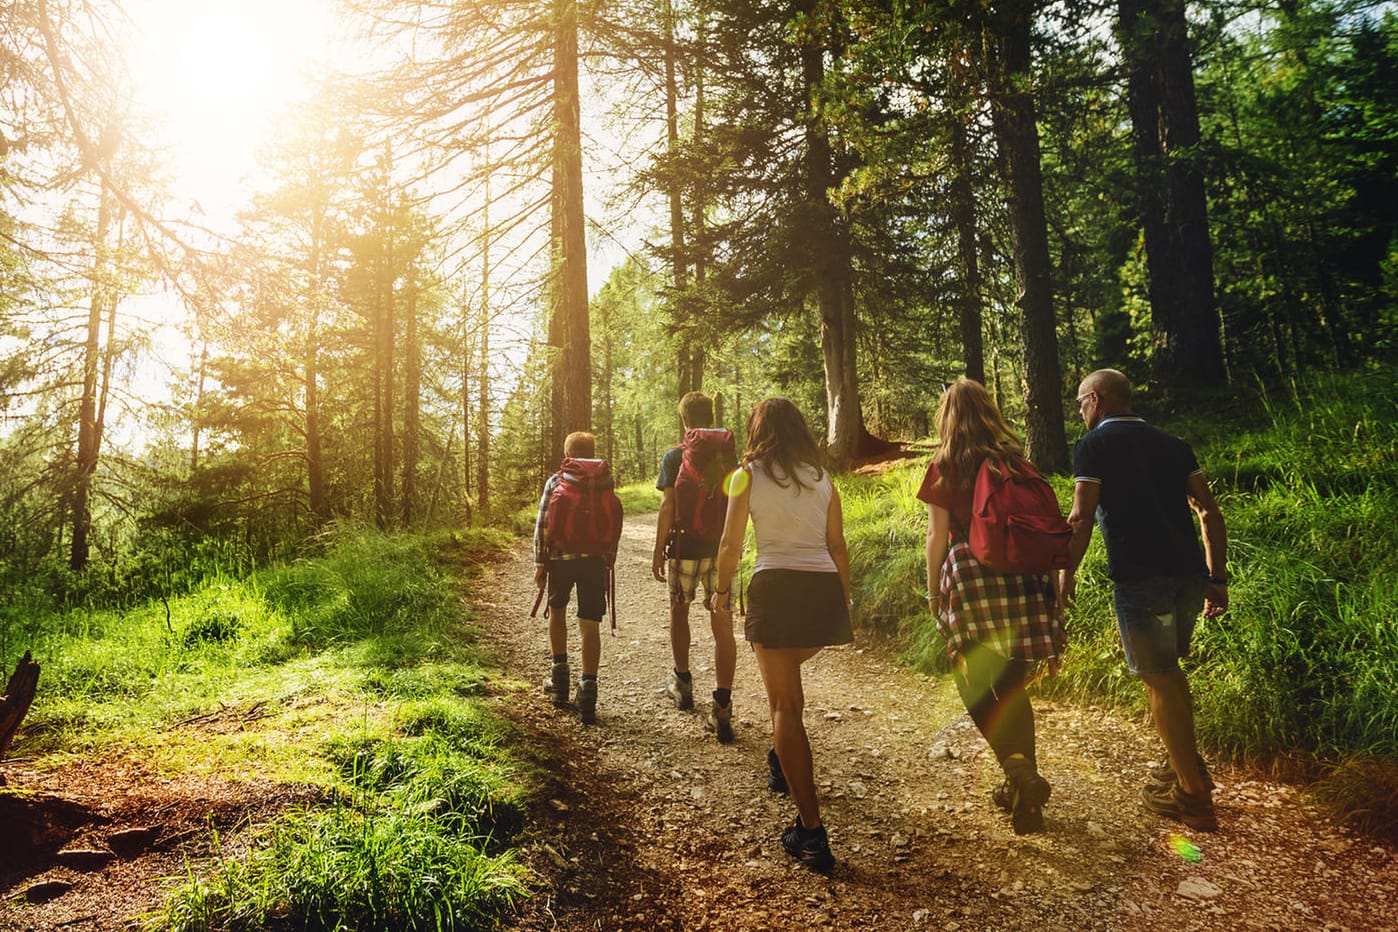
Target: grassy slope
x: 367, y: 666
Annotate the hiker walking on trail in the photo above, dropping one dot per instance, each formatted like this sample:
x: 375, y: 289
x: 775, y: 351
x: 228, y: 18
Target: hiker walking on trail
x: 575, y: 542
x: 799, y: 596
x: 691, y: 518
x: 1141, y: 484
x: 996, y: 623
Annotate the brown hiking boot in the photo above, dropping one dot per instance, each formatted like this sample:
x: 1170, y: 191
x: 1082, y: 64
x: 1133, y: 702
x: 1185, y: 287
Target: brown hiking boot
x: 1163, y: 774
x: 1174, y: 803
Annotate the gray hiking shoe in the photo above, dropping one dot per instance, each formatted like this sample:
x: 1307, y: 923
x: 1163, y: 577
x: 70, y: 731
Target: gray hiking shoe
x: 720, y: 722
x: 586, y: 701
x: 680, y: 692
x: 556, y: 686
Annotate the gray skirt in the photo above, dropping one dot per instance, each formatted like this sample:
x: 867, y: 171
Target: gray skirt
x: 797, y: 608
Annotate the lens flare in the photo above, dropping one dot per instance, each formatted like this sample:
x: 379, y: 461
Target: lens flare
x: 1186, y: 849
x: 736, y: 482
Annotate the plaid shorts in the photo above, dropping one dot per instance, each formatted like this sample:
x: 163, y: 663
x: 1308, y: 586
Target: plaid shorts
x: 683, y: 577
x: 1010, y: 613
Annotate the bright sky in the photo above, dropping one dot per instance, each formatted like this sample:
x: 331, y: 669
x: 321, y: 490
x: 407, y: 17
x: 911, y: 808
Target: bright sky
x: 217, y: 72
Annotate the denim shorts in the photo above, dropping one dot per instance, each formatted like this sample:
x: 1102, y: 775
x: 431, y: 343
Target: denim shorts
x: 1155, y: 616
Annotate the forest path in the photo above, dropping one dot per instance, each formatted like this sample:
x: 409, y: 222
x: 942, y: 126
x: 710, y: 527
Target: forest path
x: 651, y: 824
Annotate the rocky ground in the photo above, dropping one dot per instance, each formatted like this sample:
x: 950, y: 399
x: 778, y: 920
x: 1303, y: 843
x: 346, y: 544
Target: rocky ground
x: 648, y: 823
x: 651, y: 824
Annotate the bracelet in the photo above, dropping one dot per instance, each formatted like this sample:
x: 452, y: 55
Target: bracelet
x: 725, y: 592
x: 1218, y: 581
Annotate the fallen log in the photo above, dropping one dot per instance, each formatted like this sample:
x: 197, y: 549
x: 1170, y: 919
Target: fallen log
x: 19, y: 695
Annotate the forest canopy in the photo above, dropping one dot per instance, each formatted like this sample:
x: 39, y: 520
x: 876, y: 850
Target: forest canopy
x: 491, y: 223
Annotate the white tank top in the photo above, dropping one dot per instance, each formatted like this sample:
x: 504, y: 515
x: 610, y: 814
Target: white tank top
x: 790, y: 528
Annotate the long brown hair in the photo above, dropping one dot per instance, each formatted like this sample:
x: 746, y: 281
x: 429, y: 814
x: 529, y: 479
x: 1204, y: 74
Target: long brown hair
x: 778, y: 434
x: 971, y: 428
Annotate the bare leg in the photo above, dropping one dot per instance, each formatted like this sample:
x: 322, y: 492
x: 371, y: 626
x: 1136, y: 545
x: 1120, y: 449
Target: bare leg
x: 781, y: 674
x: 725, y: 652
x: 1172, y: 707
x: 679, y: 635
x: 558, y: 630
x: 591, y: 632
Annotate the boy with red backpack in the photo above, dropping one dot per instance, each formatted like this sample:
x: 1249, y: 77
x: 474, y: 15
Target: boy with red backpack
x: 686, y: 546
x: 575, y: 542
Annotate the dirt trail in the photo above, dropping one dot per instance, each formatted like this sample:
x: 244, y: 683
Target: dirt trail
x: 651, y: 824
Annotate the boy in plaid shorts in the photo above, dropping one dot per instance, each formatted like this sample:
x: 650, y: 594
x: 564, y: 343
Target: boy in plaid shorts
x: 690, y: 561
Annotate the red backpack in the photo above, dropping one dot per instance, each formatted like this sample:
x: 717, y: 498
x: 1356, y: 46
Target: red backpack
x: 1016, y: 524
x: 701, y: 504
x: 583, y: 513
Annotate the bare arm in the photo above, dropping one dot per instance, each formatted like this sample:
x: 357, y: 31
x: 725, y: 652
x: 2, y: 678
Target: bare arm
x: 835, y: 540
x: 938, y: 523
x: 1086, y: 495
x: 663, y: 526
x: 1215, y: 543
x: 730, y: 545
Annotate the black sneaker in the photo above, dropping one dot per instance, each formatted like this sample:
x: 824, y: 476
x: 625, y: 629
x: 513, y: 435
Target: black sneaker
x: 808, y: 845
x: 1174, y: 803
x: 776, y: 780
x: 1163, y: 775
x: 1030, y: 792
x: 556, y: 686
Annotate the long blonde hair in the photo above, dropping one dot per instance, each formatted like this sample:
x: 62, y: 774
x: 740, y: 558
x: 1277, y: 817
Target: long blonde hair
x: 971, y: 428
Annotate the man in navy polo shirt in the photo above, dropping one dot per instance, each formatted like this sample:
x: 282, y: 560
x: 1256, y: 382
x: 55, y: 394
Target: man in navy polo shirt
x: 1141, y: 484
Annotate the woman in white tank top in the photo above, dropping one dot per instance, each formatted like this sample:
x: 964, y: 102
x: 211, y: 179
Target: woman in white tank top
x: 798, y: 599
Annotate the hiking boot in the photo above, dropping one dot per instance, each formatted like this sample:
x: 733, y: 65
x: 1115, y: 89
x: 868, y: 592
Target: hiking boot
x: 776, y: 780
x: 586, y: 701
x: 808, y: 845
x: 1003, y: 796
x: 720, y: 722
x: 556, y: 686
x: 1174, y: 803
x: 1163, y: 775
x: 1028, y: 793
x: 679, y: 691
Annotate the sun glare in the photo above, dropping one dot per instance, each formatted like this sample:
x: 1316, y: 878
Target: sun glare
x: 213, y: 74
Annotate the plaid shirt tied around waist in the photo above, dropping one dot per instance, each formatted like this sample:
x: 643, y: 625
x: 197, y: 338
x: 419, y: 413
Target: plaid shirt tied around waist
x: 1011, y: 614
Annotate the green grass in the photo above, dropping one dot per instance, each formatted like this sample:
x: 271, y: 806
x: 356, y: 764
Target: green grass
x: 354, y: 671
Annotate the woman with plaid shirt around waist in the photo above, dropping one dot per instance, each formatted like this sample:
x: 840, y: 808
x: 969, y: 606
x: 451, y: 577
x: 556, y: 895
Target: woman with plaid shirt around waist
x: 995, y: 624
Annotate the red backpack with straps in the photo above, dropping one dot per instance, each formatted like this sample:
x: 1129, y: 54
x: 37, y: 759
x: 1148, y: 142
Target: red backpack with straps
x: 1016, y: 524
x: 583, y: 515
x: 708, y: 454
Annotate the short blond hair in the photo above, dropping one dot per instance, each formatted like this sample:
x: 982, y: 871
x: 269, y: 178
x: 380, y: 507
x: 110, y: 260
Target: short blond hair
x: 580, y: 444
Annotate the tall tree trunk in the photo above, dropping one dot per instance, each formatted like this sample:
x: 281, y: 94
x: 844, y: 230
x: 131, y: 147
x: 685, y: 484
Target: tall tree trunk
x: 829, y: 268
x: 315, y: 455
x: 1016, y: 129
x: 1187, y: 348
x: 384, y: 326
x: 412, y: 400
x: 89, y: 428
x: 679, y: 266
x: 573, y: 381
x: 963, y: 208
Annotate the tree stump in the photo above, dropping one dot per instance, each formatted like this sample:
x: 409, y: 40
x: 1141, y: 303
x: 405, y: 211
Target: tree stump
x: 14, y: 705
